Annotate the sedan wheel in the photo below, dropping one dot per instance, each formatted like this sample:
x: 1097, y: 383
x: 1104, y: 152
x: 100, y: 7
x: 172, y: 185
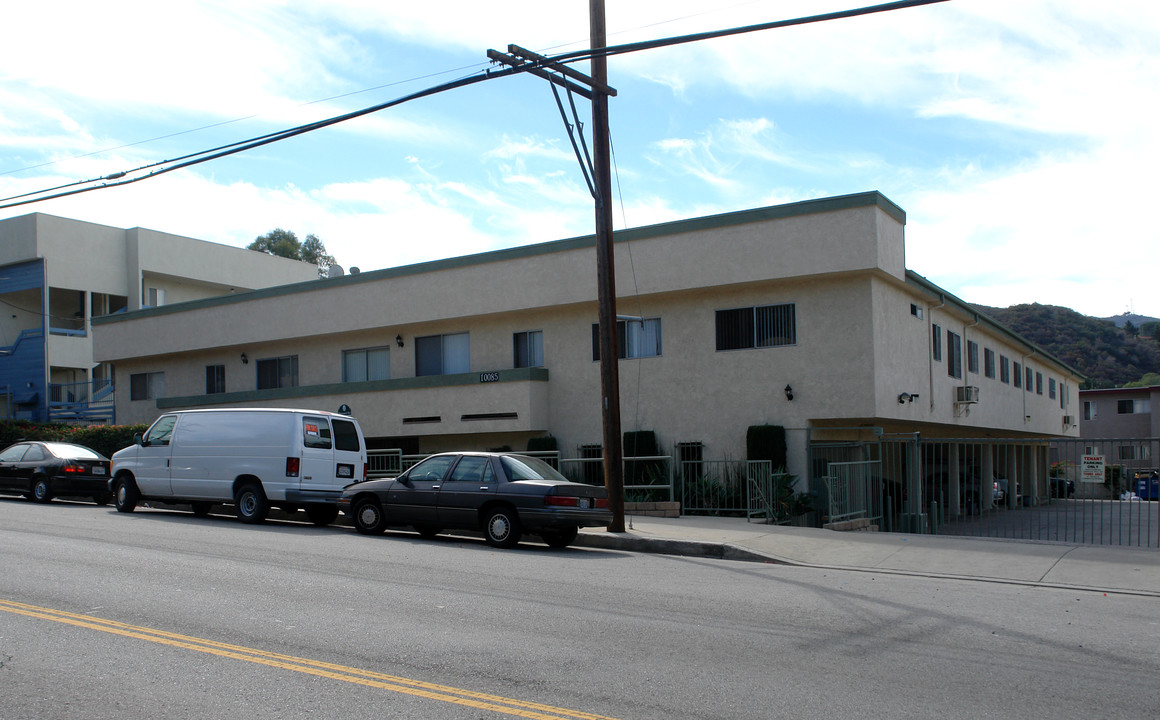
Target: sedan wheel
x: 41, y: 492
x: 501, y: 527
x: 368, y: 517
x: 560, y: 538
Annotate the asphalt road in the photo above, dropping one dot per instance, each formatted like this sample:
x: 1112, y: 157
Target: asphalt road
x: 160, y: 614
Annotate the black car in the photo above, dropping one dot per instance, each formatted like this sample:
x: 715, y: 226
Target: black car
x: 502, y: 494
x: 41, y: 471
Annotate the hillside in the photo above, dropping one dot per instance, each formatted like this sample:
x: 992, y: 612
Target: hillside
x: 1096, y: 347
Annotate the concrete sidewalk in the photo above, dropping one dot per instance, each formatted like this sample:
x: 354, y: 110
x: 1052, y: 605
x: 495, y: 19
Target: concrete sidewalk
x: 1050, y: 564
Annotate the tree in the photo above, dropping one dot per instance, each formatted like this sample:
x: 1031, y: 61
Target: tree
x: 284, y: 243
x: 1151, y: 330
x: 314, y: 251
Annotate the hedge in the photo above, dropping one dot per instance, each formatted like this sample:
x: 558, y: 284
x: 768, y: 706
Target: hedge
x: 105, y: 439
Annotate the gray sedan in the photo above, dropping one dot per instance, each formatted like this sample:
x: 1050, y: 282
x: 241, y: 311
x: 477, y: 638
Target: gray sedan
x: 501, y: 494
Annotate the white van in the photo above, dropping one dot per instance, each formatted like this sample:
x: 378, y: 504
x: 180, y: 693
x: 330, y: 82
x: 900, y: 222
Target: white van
x: 254, y: 458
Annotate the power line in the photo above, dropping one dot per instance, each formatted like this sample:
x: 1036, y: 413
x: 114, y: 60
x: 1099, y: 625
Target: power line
x: 152, y: 170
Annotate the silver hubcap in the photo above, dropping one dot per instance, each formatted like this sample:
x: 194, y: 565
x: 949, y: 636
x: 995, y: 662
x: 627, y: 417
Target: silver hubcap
x: 40, y: 490
x: 368, y: 516
x: 499, y: 527
x: 248, y: 503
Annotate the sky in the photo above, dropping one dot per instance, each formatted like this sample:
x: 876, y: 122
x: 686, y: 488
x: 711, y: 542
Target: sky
x: 1019, y: 137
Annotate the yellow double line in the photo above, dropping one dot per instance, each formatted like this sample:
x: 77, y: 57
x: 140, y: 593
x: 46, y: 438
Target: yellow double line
x: 418, y: 688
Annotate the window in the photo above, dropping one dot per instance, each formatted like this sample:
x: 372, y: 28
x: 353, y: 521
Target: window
x: 691, y: 457
x: 1018, y: 375
x: 989, y: 363
x: 1089, y: 410
x: 278, y: 372
x: 1039, y: 383
x: 161, y: 431
x: 972, y: 356
x: 757, y: 327
x: 13, y: 454
x: 528, y: 349
x: 146, y: 386
x: 156, y: 297
x: 442, y: 354
x: 1131, y: 407
x: 936, y: 343
x: 634, y: 338
x: 1051, y: 388
x: 215, y: 379
x: 916, y: 311
x: 1133, y: 452
x: 1028, y: 377
x: 954, y: 355
x: 1005, y: 370
x: 593, y: 473
x: 473, y: 469
x: 366, y: 364
x: 345, y: 436
x: 316, y: 432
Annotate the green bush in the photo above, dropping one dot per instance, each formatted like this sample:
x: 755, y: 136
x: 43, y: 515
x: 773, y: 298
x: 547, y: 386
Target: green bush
x: 546, y: 443
x: 642, y: 443
x: 766, y: 442
x: 105, y: 439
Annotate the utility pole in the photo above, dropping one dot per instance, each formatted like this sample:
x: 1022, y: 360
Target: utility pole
x: 606, y: 275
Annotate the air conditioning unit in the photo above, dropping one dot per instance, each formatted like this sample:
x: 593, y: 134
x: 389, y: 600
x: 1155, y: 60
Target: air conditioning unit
x: 1068, y: 420
x: 967, y: 394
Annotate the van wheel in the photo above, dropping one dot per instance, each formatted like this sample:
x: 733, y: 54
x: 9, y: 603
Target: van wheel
x: 322, y: 514
x: 125, y: 495
x: 368, y: 516
x: 41, y: 491
x: 251, y: 503
x: 201, y: 509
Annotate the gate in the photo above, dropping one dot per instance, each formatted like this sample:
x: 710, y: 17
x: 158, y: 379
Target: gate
x: 1097, y: 492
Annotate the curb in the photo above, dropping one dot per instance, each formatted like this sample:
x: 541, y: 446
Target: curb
x: 684, y: 548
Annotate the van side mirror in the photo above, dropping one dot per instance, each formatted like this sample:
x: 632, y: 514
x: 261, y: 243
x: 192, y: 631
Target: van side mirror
x: 138, y: 440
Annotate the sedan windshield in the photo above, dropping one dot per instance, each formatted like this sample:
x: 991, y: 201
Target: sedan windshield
x: 521, y: 467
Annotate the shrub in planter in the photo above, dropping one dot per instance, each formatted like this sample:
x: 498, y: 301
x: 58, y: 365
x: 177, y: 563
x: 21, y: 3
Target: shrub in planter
x: 542, y: 444
x: 766, y: 442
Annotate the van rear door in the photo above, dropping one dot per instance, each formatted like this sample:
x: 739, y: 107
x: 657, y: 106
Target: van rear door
x: 332, y: 457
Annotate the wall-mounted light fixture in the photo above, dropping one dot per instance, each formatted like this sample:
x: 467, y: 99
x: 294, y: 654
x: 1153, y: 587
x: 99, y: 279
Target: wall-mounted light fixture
x: 906, y: 397
x: 245, y: 359
x: 399, y: 340
x: 788, y: 393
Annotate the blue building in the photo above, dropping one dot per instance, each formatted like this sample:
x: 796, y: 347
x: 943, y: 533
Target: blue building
x: 57, y: 274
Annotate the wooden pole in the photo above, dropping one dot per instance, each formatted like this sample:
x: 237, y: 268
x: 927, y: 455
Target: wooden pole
x: 606, y: 277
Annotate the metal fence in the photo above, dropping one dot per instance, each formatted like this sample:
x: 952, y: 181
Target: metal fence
x: 1050, y: 489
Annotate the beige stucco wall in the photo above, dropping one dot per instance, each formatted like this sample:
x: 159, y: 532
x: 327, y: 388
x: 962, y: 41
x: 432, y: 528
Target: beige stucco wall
x: 858, y: 345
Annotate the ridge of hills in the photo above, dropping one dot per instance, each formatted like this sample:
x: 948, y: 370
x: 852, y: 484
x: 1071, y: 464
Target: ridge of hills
x: 1109, y: 352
